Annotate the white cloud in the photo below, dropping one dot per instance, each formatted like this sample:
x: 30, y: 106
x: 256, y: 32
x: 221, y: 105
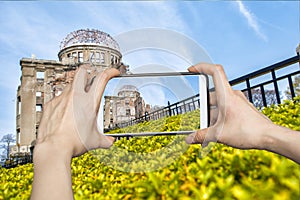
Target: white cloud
x: 132, y: 15
x: 25, y: 34
x: 251, y: 19
x: 153, y: 95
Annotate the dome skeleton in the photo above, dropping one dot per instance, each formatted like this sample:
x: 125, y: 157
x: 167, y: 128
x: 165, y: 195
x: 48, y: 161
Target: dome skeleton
x: 89, y: 36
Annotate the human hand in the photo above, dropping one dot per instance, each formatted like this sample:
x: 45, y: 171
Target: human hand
x: 234, y: 120
x: 69, y: 121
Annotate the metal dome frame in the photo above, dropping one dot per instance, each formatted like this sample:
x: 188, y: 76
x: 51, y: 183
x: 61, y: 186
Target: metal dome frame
x: 89, y: 36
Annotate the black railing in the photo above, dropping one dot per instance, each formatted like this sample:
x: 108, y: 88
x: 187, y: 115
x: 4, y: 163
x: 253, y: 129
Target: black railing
x: 14, y: 162
x: 274, y: 96
x: 193, y: 103
x: 256, y: 92
x: 186, y: 105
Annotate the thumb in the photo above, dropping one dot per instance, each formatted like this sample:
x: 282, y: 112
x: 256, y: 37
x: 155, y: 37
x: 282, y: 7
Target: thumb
x: 199, y: 137
x: 108, y: 142
x: 100, y: 82
x: 102, y: 141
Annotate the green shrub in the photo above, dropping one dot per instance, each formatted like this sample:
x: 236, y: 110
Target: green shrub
x: 225, y: 173
x: 286, y: 114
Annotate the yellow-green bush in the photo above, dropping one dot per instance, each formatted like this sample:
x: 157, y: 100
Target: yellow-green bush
x: 225, y: 173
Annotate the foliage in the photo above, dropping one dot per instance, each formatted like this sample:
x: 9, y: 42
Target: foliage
x: 181, y: 122
x: 296, y: 86
x: 286, y: 114
x: 257, y: 98
x: 7, y: 139
x: 225, y: 173
x: 16, y: 183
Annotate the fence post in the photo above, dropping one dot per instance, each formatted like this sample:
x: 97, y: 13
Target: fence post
x: 169, y: 107
x: 262, y: 90
x: 249, y: 90
x: 194, y: 106
x: 291, y: 86
x: 176, y: 109
x: 275, y: 86
x: 298, y: 53
x: 184, y: 108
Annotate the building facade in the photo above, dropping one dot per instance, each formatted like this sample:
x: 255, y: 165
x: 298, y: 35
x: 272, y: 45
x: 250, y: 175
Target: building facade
x: 42, y: 80
x: 126, y: 106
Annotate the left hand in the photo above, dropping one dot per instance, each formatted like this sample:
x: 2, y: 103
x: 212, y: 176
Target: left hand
x: 69, y: 121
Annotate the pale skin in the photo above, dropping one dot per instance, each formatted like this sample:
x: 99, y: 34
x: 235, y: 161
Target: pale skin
x: 63, y: 136
x: 68, y: 129
x: 237, y: 123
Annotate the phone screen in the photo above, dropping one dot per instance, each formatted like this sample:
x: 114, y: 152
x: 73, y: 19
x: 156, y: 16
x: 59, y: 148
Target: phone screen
x: 154, y: 103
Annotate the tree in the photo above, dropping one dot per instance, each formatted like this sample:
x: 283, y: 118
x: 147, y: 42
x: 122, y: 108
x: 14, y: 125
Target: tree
x: 7, y: 139
x: 257, y: 98
x: 296, y: 86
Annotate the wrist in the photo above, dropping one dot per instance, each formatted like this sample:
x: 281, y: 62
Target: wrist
x: 52, y: 171
x: 274, y: 136
x: 267, y: 140
x: 50, y: 148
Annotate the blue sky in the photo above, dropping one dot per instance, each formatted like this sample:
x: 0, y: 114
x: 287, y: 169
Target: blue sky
x: 158, y: 90
x: 242, y: 36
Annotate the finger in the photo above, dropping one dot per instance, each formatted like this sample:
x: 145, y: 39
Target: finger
x: 79, y: 79
x: 212, y: 99
x: 216, y: 71
x: 102, y: 141
x: 241, y: 94
x: 198, y: 137
x: 107, y: 142
x: 214, y: 113
x: 99, y: 84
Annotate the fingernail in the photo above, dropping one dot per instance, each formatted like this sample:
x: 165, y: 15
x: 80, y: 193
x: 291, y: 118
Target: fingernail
x: 204, y: 144
x: 190, y: 67
x: 112, y: 139
x: 190, y: 139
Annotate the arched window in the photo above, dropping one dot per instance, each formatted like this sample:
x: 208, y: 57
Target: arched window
x: 112, y: 59
x: 80, y: 56
x: 97, y: 57
x: 102, y: 60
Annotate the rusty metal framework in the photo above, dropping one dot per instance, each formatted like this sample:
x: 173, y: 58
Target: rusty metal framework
x: 89, y: 36
x: 128, y: 88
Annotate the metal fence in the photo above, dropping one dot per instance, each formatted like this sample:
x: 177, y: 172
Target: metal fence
x: 273, y: 95
x: 254, y: 92
x: 186, y: 105
x: 193, y: 103
x: 11, y: 163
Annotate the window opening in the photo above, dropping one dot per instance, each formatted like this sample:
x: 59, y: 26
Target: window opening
x: 92, y: 57
x: 80, y: 56
x: 40, y: 75
x: 74, y: 55
x: 102, y: 61
x: 19, y: 105
x: 38, y: 107
x: 38, y: 94
x: 112, y: 59
x: 127, y: 112
x: 18, y: 137
x: 97, y: 57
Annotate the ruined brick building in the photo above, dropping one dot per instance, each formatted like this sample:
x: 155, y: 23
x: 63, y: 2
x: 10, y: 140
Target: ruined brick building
x: 41, y: 79
x: 126, y: 106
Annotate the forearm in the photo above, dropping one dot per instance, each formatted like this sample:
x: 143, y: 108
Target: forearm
x: 283, y: 141
x: 52, y: 173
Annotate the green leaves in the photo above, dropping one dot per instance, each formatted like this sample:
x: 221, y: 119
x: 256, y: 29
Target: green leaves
x: 286, y: 114
x: 225, y: 173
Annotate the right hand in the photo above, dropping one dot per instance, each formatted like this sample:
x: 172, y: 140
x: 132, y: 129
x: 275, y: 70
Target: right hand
x: 234, y: 120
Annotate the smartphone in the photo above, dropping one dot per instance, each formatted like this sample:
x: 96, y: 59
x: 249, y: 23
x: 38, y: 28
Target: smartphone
x: 149, y: 104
